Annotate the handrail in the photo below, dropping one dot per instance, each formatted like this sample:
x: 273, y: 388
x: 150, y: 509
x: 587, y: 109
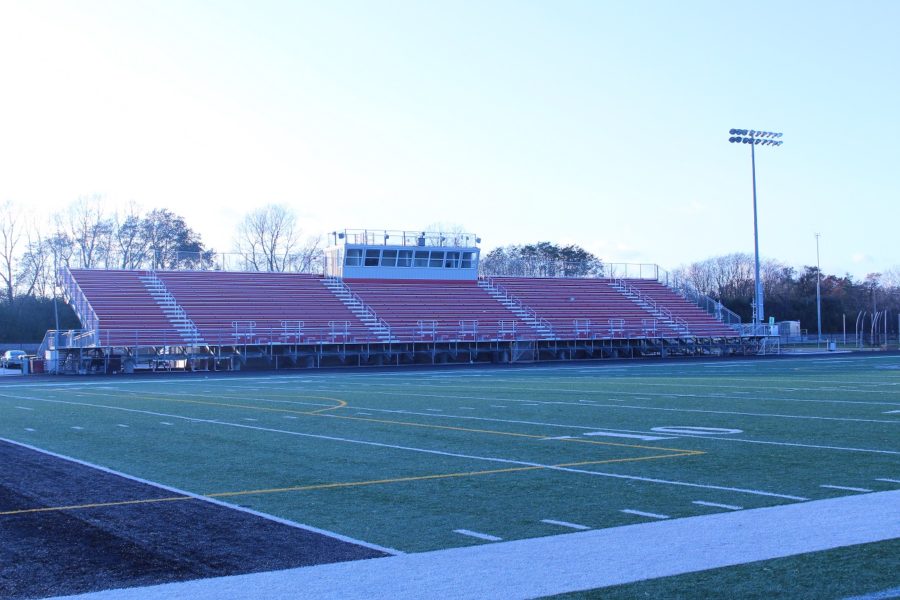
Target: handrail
x: 653, y: 306
x: 530, y: 314
x: 90, y: 320
x: 368, y: 310
x: 172, y: 303
x: 713, y: 307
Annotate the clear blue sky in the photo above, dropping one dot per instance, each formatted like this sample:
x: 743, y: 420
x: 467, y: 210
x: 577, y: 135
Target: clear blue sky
x: 598, y: 123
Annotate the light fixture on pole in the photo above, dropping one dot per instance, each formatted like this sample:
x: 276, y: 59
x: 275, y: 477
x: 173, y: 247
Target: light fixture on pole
x: 818, y: 292
x: 755, y: 138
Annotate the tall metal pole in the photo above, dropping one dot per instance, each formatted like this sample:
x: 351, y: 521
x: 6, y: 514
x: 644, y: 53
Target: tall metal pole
x: 758, y: 309
x: 763, y: 138
x: 818, y: 292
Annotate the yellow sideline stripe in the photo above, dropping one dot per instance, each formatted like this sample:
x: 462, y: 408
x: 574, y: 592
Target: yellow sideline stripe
x: 342, y: 404
x: 94, y: 505
x: 325, y: 486
x: 318, y: 413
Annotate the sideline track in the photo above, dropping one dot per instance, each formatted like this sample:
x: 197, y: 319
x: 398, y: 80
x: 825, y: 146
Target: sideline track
x: 570, y: 562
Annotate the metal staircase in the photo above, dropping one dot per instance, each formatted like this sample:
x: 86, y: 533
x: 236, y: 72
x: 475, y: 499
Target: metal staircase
x: 170, y: 307
x: 77, y: 299
x: 363, y: 312
x: 679, y: 325
x: 543, y: 328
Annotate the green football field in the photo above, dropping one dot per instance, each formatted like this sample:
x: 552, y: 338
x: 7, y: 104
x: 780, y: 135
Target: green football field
x: 419, y: 460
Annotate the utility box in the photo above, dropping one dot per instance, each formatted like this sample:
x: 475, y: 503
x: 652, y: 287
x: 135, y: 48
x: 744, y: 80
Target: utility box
x: 789, y: 331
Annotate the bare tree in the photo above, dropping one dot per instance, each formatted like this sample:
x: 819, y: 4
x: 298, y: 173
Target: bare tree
x: 448, y: 234
x: 891, y: 277
x: 10, y: 239
x: 309, y: 256
x: 129, y: 243
x: 90, y: 230
x: 35, y: 276
x: 60, y: 247
x: 269, y: 240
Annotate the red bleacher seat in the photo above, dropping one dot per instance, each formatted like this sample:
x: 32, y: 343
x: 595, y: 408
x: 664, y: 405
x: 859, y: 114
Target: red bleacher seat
x: 461, y: 310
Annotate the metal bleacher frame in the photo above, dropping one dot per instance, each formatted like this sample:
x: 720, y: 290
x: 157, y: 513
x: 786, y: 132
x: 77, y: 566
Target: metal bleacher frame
x: 527, y: 335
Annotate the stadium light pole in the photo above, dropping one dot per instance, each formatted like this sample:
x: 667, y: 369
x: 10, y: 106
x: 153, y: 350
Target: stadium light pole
x: 818, y: 292
x: 755, y: 138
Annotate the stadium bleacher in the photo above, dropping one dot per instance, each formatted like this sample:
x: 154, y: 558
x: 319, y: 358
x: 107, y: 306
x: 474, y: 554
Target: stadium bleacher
x: 428, y: 310
x: 699, y: 321
x: 230, y: 307
x: 260, y: 308
x: 127, y: 312
x: 585, y: 308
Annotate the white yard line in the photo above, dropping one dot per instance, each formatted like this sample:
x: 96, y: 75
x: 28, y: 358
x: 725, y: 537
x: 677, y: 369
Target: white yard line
x: 641, y: 513
x: 725, y: 396
x: 888, y: 480
x: 795, y: 445
x: 684, y: 484
x: 563, y: 425
x: 569, y: 562
x: 570, y: 426
x: 480, y: 536
x: 748, y: 414
x: 633, y: 407
x: 420, y: 450
x: 717, y: 505
x: 845, y: 488
x: 565, y: 524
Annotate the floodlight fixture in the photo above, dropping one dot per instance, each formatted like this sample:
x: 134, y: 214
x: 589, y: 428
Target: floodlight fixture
x: 754, y: 138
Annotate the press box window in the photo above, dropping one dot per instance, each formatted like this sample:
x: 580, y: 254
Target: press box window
x: 389, y: 258
x: 421, y: 258
x: 452, y: 260
x: 468, y: 260
x: 354, y: 257
x: 372, y: 258
x: 437, y: 259
x: 404, y: 258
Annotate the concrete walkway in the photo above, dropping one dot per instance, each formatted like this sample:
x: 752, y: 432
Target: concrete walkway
x: 571, y: 562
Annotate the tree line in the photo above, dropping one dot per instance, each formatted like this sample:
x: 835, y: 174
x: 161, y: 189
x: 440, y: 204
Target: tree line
x: 87, y: 235
x: 789, y: 294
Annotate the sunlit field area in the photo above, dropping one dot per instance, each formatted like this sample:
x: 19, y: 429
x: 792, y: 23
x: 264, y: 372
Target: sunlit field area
x: 410, y: 461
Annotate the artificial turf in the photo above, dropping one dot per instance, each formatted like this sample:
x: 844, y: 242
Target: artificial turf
x: 403, y: 459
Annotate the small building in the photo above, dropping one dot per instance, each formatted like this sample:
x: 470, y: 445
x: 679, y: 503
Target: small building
x: 379, y: 254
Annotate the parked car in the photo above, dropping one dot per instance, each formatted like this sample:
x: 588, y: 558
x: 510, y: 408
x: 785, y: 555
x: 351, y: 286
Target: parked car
x: 12, y: 358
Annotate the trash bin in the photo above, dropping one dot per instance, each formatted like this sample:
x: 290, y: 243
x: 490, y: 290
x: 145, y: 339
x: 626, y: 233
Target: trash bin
x: 832, y: 346
x: 37, y: 365
x: 26, y: 366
